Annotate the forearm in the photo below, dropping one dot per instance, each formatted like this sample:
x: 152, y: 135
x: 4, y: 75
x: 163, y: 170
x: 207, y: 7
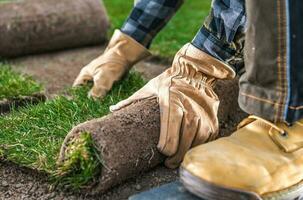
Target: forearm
x: 148, y: 17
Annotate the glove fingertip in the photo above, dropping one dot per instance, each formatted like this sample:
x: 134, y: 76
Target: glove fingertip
x: 79, y: 82
x: 76, y: 84
x: 113, y: 108
x: 118, y: 106
x: 93, y: 96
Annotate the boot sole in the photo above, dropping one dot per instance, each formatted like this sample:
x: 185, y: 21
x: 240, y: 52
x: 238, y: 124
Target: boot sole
x: 210, y: 191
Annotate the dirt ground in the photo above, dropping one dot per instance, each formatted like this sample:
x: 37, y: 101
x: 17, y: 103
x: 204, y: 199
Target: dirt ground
x: 57, y: 71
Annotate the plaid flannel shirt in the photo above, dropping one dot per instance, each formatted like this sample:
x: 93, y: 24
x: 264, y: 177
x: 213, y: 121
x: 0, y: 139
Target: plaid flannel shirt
x: 222, y: 34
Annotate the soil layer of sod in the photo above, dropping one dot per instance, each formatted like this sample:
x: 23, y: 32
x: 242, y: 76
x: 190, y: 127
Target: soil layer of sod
x: 17, y: 89
x: 32, y: 136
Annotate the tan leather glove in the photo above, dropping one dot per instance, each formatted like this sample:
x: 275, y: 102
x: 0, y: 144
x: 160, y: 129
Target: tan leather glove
x: 120, y: 55
x: 188, y: 104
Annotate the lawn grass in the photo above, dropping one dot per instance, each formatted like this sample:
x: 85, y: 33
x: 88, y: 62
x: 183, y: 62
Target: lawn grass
x: 6, y: 1
x: 32, y: 136
x: 13, y: 84
x: 180, y: 30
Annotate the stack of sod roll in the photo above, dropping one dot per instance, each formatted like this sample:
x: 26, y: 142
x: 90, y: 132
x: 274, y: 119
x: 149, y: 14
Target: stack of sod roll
x: 36, y: 26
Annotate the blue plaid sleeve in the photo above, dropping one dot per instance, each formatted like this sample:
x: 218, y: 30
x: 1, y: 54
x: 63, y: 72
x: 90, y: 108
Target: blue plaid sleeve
x: 222, y: 34
x: 148, y: 17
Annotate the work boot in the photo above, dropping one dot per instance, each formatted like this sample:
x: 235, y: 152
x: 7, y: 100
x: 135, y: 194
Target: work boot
x: 120, y: 55
x: 261, y: 160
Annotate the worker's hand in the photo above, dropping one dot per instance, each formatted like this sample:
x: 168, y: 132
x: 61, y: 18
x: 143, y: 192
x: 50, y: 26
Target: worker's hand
x: 120, y: 55
x: 188, y: 104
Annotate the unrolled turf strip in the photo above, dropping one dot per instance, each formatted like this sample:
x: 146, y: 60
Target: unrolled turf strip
x: 32, y: 136
x: 37, y: 26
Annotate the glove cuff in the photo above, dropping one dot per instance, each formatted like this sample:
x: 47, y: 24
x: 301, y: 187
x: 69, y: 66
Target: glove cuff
x: 205, y: 63
x: 128, y: 48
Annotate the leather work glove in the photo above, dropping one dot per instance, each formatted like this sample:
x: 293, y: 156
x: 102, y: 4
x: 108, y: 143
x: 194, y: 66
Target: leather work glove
x: 120, y: 55
x: 188, y: 104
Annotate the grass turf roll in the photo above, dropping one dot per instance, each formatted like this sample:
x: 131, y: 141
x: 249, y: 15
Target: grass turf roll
x: 35, y: 26
x: 126, y: 141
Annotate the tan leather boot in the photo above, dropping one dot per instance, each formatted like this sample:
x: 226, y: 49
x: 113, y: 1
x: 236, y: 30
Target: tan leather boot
x: 120, y: 55
x: 187, y: 101
x: 261, y: 160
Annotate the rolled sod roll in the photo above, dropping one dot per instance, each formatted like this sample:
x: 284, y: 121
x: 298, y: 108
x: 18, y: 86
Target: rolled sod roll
x: 126, y: 140
x: 37, y: 26
x: 228, y: 91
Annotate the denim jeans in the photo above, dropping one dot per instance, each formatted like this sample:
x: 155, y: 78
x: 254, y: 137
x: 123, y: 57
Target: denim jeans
x: 271, y: 86
x: 261, y: 40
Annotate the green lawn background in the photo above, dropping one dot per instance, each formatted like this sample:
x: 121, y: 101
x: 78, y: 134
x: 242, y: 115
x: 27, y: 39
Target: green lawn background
x: 180, y: 30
